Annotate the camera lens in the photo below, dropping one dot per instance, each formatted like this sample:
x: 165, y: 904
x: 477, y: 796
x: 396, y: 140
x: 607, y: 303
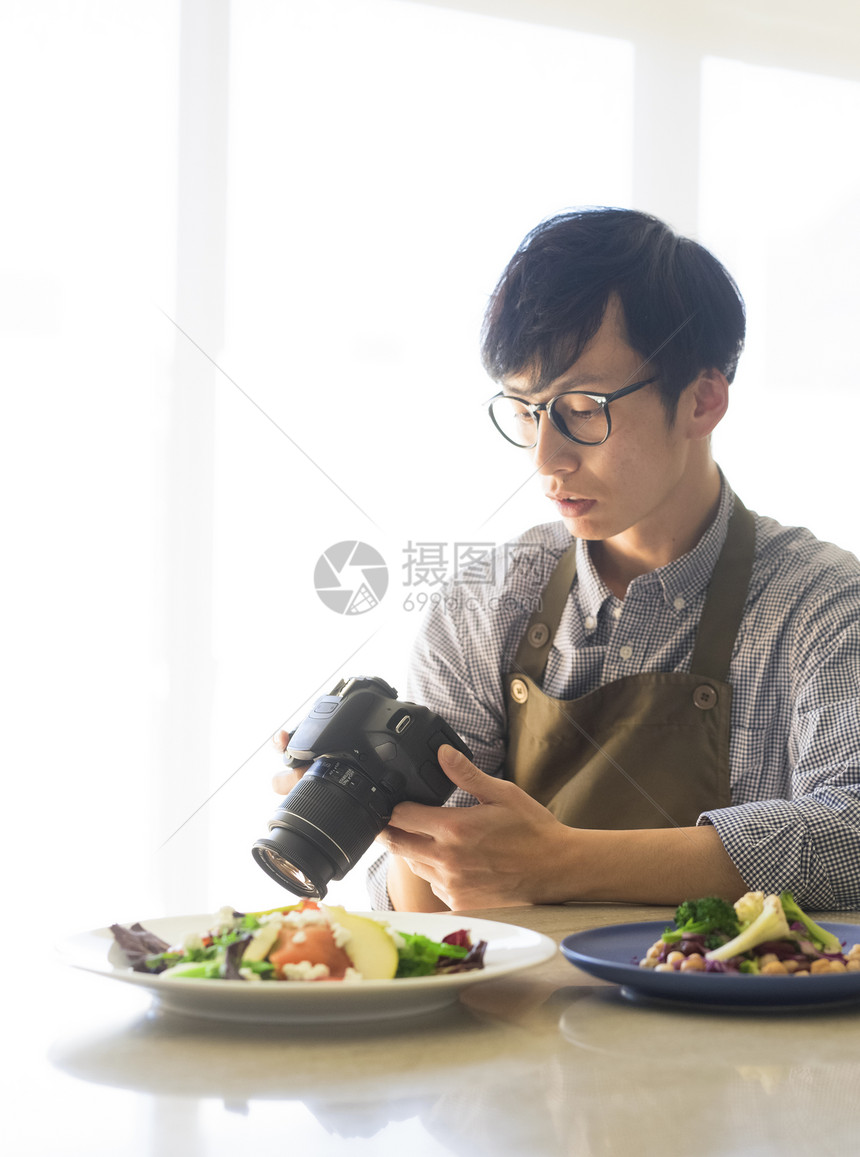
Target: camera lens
x: 282, y: 870
x: 322, y: 828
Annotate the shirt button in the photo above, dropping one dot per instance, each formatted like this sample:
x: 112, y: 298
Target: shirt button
x: 590, y: 622
x: 679, y: 603
x: 538, y: 634
x: 625, y: 652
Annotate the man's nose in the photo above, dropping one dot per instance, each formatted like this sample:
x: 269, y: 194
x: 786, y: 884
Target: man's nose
x: 553, y: 453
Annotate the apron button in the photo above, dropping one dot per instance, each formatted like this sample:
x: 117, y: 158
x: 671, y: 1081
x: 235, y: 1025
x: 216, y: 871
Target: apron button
x: 519, y: 691
x: 538, y: 634
x: 705, y: 697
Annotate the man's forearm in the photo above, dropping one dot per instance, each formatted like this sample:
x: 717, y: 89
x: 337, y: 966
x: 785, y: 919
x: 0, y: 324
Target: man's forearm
x: 508, y: 849
x: 651, y: 866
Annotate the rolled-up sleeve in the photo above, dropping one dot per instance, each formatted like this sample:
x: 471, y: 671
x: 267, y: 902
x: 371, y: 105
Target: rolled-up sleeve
x: 810, y: 843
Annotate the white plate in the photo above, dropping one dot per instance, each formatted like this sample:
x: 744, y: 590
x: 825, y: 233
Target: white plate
x: 509, y: 949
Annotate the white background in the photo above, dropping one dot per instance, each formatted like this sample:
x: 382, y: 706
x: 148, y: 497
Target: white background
x: 246, y: 253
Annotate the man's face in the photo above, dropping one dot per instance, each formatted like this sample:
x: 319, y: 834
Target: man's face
x: 634, y: 483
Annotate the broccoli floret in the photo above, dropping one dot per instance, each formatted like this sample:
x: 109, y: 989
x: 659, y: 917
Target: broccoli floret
x: 711, y: 917
x: 750, y: 967
x: 823, y: 940
x: 770, y: 924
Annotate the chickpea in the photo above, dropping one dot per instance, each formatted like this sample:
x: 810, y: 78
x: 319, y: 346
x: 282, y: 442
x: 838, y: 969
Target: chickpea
x: 655, y: 950
x: 819, y: 966
x: 802, y: 972
x: 836, y: 966
x: 774, y: 967
x: 695, y: 962
x: 663, y: 968
x: 792, y: 965
x: 676, y: 959
x: 853, y: 952
x: 768, y: 958
x: 852, y: 964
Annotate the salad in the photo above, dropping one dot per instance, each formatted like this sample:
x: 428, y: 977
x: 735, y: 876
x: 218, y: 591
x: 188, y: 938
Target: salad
x: 301, y: 942
x: 762, y: 935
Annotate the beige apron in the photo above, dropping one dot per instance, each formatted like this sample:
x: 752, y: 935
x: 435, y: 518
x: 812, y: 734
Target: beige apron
x: 649, y: 750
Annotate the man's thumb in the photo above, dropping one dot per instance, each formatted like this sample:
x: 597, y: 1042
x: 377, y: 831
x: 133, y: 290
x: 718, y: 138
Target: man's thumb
x: 461, y: 771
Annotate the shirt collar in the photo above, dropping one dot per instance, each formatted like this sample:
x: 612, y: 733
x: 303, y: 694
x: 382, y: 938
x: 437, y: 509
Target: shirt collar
x: 680, y: 581
x: 591, y: 591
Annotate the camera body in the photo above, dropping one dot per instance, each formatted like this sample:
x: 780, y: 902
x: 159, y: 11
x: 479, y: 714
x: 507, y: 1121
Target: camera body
x: 368, y: 751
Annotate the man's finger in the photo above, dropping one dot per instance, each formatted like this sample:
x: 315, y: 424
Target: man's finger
x: 461, y: 771
x: 284, y: 782
x: 402, y: 842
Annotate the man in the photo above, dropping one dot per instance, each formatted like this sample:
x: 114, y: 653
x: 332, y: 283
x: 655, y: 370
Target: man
x: 661, y: 690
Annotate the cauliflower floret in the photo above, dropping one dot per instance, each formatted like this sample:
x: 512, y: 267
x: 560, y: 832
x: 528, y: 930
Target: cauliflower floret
x: 749, y: 907
x: 770, y: 924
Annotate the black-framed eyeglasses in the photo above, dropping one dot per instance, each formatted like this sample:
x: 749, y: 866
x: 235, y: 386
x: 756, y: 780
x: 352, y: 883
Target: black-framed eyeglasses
x: 580, y: 415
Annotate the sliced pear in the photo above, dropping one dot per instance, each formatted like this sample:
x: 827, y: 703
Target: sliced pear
x: 263, y: 940
x: 370, y: 946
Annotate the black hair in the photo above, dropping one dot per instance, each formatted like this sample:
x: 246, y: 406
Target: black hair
x: 682, y: 310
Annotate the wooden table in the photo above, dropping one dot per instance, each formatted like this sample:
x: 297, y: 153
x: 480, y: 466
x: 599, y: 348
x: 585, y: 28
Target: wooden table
x: 546, y: 1062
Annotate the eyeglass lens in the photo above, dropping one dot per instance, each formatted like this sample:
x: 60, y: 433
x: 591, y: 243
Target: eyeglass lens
x: 575, y: 415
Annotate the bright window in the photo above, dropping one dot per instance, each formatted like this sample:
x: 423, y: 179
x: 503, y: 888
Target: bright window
x: 781, y: 207
x: 321, y: 196
x: 386, y: 159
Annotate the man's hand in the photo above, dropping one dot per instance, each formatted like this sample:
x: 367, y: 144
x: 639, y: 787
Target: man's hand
x: 508, y: 849
x: 505, y: 850
x: 284, y: 782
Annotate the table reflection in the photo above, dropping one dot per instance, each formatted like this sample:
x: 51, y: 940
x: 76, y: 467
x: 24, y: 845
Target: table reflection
x: 549, y: 1063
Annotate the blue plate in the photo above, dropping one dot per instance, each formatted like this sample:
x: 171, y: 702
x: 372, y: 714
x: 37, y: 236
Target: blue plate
x: 613, y: 953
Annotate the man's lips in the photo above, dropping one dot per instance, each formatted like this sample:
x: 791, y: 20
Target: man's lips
x: 571, y: 507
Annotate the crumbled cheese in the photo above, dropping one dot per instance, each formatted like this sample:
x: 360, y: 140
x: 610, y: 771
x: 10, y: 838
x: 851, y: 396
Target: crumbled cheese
x: 224, y: 921
x: 340, y: 935
x: 272, y: 918
x: 399, y: 942
x: 305, y: 971
x: 308, y: 916
x: 352, y: 974
x: 249, y: 974
x: 191, y: 942
x: 300, y: 937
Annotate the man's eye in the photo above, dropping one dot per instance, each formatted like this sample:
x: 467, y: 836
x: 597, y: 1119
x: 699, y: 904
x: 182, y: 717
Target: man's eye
x: 581, y: 407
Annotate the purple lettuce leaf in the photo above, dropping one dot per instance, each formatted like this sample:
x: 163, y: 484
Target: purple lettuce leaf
x: 140, y: 945
x: 473, y: 959
x: 233, y: 958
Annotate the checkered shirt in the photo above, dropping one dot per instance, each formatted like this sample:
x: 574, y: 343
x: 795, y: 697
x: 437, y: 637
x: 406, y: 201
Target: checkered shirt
x: 794, y: 821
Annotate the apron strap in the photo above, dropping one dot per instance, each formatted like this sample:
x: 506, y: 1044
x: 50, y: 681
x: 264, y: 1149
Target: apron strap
x: 725, y: 598
x: 718, y: 626
x: 533, y: 650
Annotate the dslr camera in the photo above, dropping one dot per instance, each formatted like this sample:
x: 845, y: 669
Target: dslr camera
x: 368, y: 751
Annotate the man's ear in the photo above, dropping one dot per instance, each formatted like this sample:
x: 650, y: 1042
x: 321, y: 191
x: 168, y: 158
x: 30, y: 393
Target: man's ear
x: 707, y: 398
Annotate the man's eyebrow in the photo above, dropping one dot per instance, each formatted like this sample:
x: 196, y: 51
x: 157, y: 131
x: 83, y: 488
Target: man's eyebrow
x: 570, y: 381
